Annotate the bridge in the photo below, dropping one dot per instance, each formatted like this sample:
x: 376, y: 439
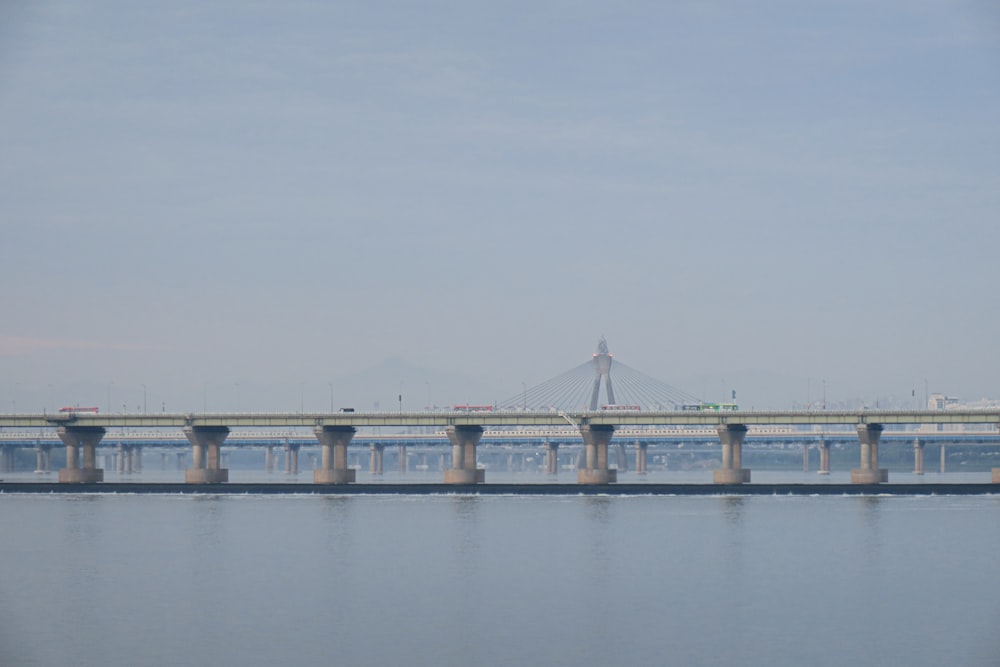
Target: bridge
x: 82, y: 432
x: 583, y: 403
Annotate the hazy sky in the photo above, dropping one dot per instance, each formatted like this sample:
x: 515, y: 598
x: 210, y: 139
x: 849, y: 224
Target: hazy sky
x: 251, y: 204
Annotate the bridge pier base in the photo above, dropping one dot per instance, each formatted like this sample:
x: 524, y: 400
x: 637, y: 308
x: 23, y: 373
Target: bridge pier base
x: 996, y: 475
x: 463, y: 460
x: 596, y: 438
x: 404, y: 461
x: 206, y: 443
x: 333, y: 442
x: 869, y: 472
x: 732, y: 471
x: 76, y: 438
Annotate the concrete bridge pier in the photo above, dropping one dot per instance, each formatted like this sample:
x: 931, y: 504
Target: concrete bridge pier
x: 596, y: 438
x: 640, y: 457
x: 732, y: 471
x: 378, y: 456
x: 463, y: 455
x: 269, y: 458
x: 996, y: 471
x: 824, y: 457
x: 551, y: 458
x: 292, y: 457
x: 918, y: 457
x: 333, y: 442
x: 622, y: 457
x: 404, y: 461
x: 7, y: 458
x: 75, y: 438
x: 869, y: 472
x: 206, y: 443
x: 43, y: 458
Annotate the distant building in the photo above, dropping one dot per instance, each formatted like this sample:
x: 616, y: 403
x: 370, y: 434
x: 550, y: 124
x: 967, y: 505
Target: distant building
x: 944, y: 402
x: 941, y: 402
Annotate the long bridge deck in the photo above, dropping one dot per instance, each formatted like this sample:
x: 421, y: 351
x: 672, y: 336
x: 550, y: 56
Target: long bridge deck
x: 616, y: 418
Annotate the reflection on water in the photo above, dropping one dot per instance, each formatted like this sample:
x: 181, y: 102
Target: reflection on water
x: 733, y: 509
x: 871, y: 507
x: 599, y: 519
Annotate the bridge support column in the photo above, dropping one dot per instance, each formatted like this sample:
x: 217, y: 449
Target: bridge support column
x: 404, y: 461
x: 824, y: 457
x: 918, y: 457
x: 869, y: 472
x: 551, y: 458
x: 732, y: 471
x: 333, y: 442
x: 75, y: 438
x: 463, y: 459
x: 206, y: 443
x: 996, y: 471
x: 596, y: 438
x: 805, y: 457
x: 269, y: 458
x: 6, y: 458
x: 378, y: 451
x: 640, y: 457
x: 291, y: 457
x: 45, y: 454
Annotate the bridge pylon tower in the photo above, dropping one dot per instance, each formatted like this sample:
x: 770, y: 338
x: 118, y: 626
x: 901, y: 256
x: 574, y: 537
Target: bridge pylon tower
x: 602, y: 369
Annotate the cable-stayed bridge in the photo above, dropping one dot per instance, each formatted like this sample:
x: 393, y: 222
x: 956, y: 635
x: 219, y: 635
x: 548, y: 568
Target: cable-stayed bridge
x: 601, y: 382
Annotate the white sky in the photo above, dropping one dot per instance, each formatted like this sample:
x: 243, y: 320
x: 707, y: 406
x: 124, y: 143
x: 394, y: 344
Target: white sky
x: 255, y: 200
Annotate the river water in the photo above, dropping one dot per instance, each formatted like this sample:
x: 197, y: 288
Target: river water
x: 511, y: 580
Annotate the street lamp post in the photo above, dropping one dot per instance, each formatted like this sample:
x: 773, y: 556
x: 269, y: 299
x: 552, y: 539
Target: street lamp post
x: 143, y: 399
x: 330, y: 384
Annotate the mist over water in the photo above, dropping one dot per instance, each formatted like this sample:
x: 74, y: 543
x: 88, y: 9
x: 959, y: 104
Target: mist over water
x: 457, y: 580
